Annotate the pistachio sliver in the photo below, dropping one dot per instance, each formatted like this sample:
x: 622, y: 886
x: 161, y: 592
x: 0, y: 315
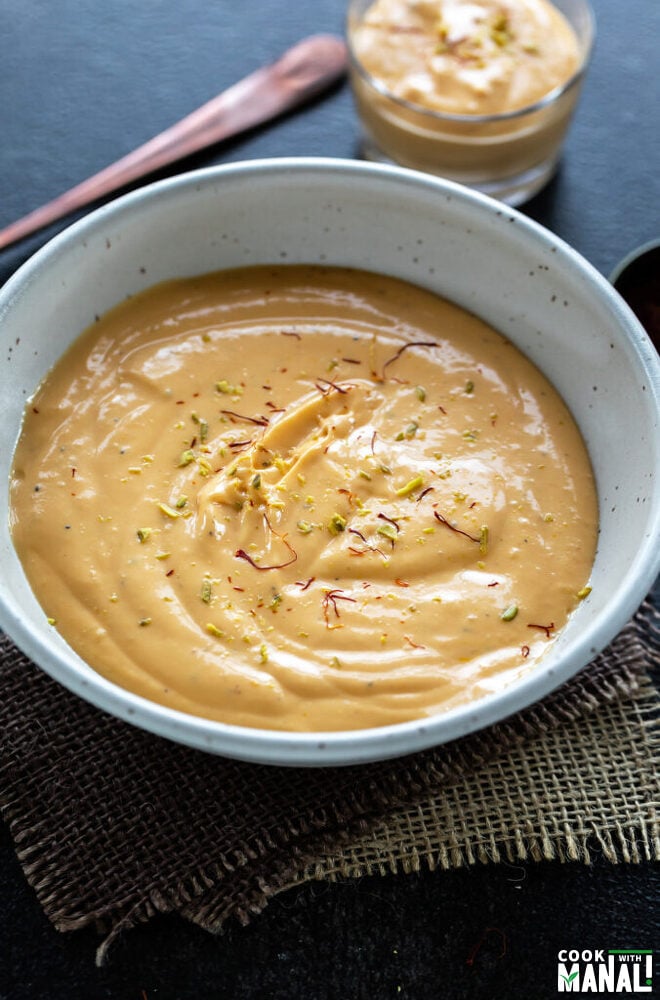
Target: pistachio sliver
x: 410, y: 487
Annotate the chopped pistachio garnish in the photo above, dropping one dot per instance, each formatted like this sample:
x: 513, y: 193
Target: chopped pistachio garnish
x: 364, y: 475
x: 500, y: 32
x: 51, y: 621
x: 181, y: 502
x: 548, y: 518
x: 169, y: 511
x: 483, y: 539
x: 409, y: 432
x: 205, y: 468
x: 229, y: 390
x: 275, y: 602
x: 263, y: 653
x: 163, y: 555
x: 385, y: 469
x: 336, y: 524
x: 387, y: 531
x: 469, y: 386
x: 144, y: 621
x: 509, y: 613
x: 584, y: 592
x: 214, y: 630
x: 304, y: 527
x: 203, y: 427
x: 410, y: 487
x: 206, y: 592
x: 143, y: 534
x: 186, y: 457
x: 471, y: 435
x: 256, y: 482
x: 420, y: 392
x: 135, y: 470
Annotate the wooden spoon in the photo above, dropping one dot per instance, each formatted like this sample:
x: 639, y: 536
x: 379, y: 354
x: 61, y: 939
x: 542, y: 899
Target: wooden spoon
x: 304, y: 71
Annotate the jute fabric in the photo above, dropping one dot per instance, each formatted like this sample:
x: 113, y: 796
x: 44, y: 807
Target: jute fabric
x: 112, y: 824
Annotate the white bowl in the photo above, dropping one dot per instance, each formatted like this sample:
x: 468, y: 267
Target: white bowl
x: 489, y: 259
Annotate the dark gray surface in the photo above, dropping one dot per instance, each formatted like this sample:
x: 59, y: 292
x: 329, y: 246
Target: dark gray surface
x: 490, y: 933
x: 82, y: 83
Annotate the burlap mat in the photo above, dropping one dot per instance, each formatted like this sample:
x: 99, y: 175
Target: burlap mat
x: 112, y: 824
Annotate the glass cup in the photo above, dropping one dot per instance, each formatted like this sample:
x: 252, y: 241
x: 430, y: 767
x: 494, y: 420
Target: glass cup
x: 509, y: 156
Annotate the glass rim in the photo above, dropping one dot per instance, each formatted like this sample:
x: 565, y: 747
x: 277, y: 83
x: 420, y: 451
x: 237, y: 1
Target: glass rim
x: 480, y: 119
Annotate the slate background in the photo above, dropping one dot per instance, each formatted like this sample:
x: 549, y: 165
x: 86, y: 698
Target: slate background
x: 82, y: 83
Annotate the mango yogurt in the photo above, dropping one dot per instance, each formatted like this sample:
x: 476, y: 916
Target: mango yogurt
x: 478, y: 91
x: 304, y: 499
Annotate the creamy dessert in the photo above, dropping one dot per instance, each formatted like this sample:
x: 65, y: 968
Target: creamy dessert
x: 304, y: 499
x: 418, y: 65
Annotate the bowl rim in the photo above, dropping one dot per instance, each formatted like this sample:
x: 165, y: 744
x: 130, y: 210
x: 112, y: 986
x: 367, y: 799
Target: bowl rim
x: 630, y: 258
x: 361, y: 745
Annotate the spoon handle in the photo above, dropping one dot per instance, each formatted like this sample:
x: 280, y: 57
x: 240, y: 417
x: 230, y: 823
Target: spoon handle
x: 301, y: 73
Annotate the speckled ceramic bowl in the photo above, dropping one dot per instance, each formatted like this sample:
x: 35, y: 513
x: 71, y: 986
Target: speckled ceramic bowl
x: 520, y: 278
